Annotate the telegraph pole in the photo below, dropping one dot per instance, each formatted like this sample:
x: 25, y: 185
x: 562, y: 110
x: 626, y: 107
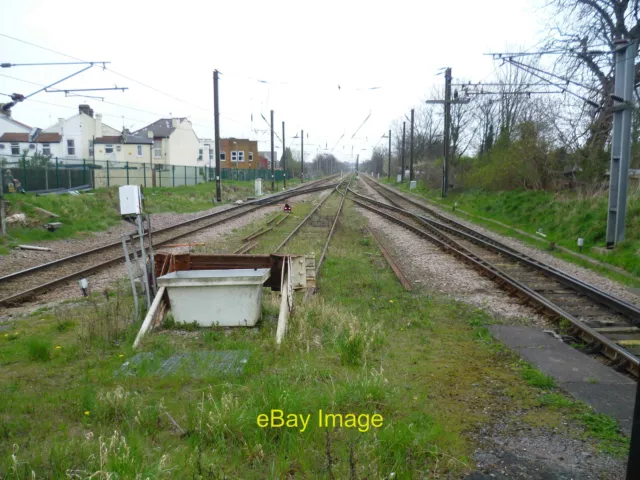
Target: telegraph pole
x: 216, y: 120
x: 389, y: 173
x: 411, y: 150
x: 284, y: 160
x: 273, y: 157
x: 404, y: 124
x: 302, y: 154
x: 447, y: 132
x: 447, y: 127
x: 624, y: 56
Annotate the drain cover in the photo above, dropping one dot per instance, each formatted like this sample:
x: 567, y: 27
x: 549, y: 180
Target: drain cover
x: 193, y: 364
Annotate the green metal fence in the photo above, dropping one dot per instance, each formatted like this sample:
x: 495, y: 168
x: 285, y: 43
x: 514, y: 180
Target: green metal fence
x: 47, y: 174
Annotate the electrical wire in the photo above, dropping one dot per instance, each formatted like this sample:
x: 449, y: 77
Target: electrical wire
x: 110, y: 69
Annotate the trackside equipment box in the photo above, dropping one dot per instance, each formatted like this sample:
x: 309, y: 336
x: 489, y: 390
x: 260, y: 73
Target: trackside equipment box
x: 130, y: 200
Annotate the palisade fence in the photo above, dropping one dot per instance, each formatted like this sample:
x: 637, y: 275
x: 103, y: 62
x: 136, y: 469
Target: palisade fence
x: 64, y: 173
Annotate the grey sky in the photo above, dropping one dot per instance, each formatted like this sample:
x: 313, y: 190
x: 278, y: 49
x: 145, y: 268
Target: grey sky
x: 304, y: 50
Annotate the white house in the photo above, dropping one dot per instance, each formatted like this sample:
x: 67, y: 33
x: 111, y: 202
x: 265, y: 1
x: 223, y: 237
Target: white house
x: 206, y: 152
x: 8, y: 124
x: 78, y: 133
x: 174, y: 142
x: 13, y: 144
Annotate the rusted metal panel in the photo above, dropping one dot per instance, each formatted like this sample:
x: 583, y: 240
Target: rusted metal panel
x: 181, y: 261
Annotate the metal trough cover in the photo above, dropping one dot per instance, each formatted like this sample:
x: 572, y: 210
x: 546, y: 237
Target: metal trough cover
x: 228, y: 298
x: 189, y: 278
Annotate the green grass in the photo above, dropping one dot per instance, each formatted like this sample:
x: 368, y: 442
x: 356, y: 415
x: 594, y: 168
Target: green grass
x: 98, y: 210
x: 537, y: 379
x: 563, y: 217
x: 362, y: 345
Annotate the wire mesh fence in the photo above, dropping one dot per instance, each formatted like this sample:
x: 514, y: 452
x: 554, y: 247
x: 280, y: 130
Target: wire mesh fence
x: 33, y: 175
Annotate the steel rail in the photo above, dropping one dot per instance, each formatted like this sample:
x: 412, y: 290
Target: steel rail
x: 617, y: 354
x: 68, y: 258
x: 6, y: 301
x: 392, y: 263
x: 333, y: 227
x: 605, y: 298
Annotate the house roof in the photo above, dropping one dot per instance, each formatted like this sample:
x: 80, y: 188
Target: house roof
x: 24, y: 137
x: 13, y: 120
x: 129, y: 138
x: 160, y: 128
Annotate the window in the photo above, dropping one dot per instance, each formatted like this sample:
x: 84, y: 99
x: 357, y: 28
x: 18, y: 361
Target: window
x: 118, y: 148
x: 91, y: 148
x: 15, y: 149
x: 108, y: 149
x: 71, y: 147
x: 46, y: 149
x: 251, y: 156
x: 234, y: 156
x: 240, y: 156
x: 211, y: 154
x: 200, y: 152
x: 157, y: 148
x: 139, y: 150
x: 223, y: 156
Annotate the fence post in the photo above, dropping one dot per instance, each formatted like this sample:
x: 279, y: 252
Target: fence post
x: 126, y: 165
x: 195, y: 173
x: 84, y: 172
x: 185, y: 175
x: 108, y: 180
x: 160, y: 176
x: 57, y: 174
x: 144, y: 174
x: 26, y: 179
x: 173, y: 175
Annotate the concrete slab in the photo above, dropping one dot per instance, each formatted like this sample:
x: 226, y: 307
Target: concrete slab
x: 586, y: 379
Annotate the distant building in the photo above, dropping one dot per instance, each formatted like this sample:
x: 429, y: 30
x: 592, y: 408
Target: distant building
x: 207, y: 152
x: 238, y: 153
x: 174, y: 142
x: 13, y: 144
x: 78, y: 132
x: 125, y: 147
x: 265, y: 160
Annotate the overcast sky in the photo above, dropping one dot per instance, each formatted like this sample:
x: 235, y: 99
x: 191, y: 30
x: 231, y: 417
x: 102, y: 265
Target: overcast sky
x: 314, y: 63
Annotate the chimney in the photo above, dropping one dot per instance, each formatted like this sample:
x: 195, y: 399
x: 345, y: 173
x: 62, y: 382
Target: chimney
x: 98, y: 124
x: 150, y: 134
x: 175, y: 122
x: 60, y: 121
x: 86, y: 109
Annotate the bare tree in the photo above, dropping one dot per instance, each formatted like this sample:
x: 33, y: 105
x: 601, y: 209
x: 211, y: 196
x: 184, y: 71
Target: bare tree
x: 585, y: 30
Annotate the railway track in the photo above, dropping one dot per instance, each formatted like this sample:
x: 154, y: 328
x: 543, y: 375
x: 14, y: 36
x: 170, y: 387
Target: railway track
x: 602, y: 322
x: 21, y: 285
x: 322, y: 221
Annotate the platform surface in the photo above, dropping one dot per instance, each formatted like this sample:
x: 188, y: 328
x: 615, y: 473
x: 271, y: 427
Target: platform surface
x: 585, y: 378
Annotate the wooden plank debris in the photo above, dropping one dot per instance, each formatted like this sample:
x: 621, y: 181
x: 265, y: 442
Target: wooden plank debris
x: 33, y: 247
